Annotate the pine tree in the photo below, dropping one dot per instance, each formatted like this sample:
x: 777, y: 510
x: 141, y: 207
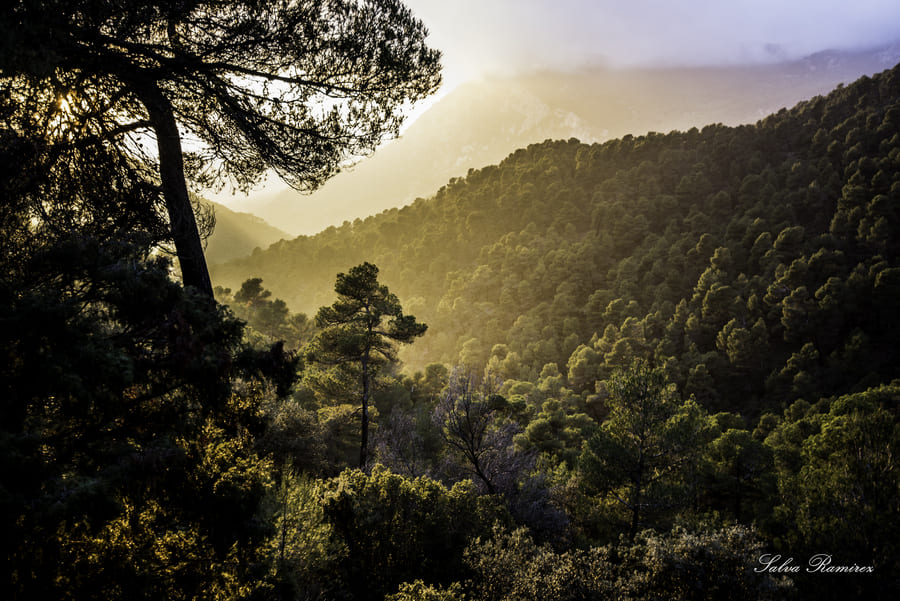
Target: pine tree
x: 359, y: 335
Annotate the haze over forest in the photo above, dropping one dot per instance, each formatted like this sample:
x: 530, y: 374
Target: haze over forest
x: 481, y: 122
x: 729, y: 62
x: 614, y: 318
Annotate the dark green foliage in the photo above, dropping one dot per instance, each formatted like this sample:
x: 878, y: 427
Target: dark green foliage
x: 419, y: 591
x: 558, y: 431
x: 739, y: 473
x: 124, y: 445
x: 305, y: 550
x: 353, y: 326
x: 640, y: 458
x: 129, y: 404
x: 706, y: 564
x: 269, y: 320
x: 510, y: 565
x: 837, y: 488
x: 397, y: 529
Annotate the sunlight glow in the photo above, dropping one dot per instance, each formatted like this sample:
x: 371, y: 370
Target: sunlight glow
x: 63, y: 117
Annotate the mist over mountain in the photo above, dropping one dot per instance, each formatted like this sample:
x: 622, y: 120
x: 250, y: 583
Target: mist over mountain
x: 236, y: 234
x: 481, y: 122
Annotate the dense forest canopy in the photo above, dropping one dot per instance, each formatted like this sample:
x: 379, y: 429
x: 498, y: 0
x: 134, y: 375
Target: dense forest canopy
x: 757, y: 262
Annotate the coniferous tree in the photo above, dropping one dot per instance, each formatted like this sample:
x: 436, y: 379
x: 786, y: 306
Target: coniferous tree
x: 636, y: 455
x: 298, y: 87
x: 129, y: 469
x: 359, y: 335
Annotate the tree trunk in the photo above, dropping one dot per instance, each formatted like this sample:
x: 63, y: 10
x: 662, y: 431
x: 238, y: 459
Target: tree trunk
x: 185, y: 234
x: 487, y: 481
x: 636, y: 495
x: 364, y: 444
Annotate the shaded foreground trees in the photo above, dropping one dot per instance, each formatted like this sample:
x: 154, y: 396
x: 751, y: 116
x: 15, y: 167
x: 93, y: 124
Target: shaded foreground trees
x: 677, y: 564
x: 714, y: 497
x: 129, y: 406
x: 297, y: 87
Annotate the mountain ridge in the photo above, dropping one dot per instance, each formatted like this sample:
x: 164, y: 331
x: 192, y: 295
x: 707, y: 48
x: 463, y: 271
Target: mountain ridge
x: 237, y: 234
x: 480, y: 123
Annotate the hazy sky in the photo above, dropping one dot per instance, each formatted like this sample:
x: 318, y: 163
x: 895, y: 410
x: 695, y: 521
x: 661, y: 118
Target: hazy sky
x: 485, y: 36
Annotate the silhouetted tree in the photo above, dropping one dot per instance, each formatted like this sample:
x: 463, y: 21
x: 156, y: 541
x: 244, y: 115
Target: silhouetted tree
x: 297, y: 87
x: 126, y: 437
x: 360, y: 332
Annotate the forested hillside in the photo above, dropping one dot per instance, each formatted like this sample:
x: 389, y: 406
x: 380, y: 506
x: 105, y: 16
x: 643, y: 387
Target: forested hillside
x: 662, y: 367
x: 757, y: 263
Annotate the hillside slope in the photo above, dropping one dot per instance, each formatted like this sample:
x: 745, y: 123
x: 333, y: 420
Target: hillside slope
x: 237, y: 234
x: 758, y: 263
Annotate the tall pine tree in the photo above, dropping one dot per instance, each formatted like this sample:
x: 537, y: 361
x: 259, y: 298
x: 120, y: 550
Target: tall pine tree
x: 359, y: 335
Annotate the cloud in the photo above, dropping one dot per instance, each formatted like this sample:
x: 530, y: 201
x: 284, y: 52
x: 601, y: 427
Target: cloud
x: 480, y: 37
